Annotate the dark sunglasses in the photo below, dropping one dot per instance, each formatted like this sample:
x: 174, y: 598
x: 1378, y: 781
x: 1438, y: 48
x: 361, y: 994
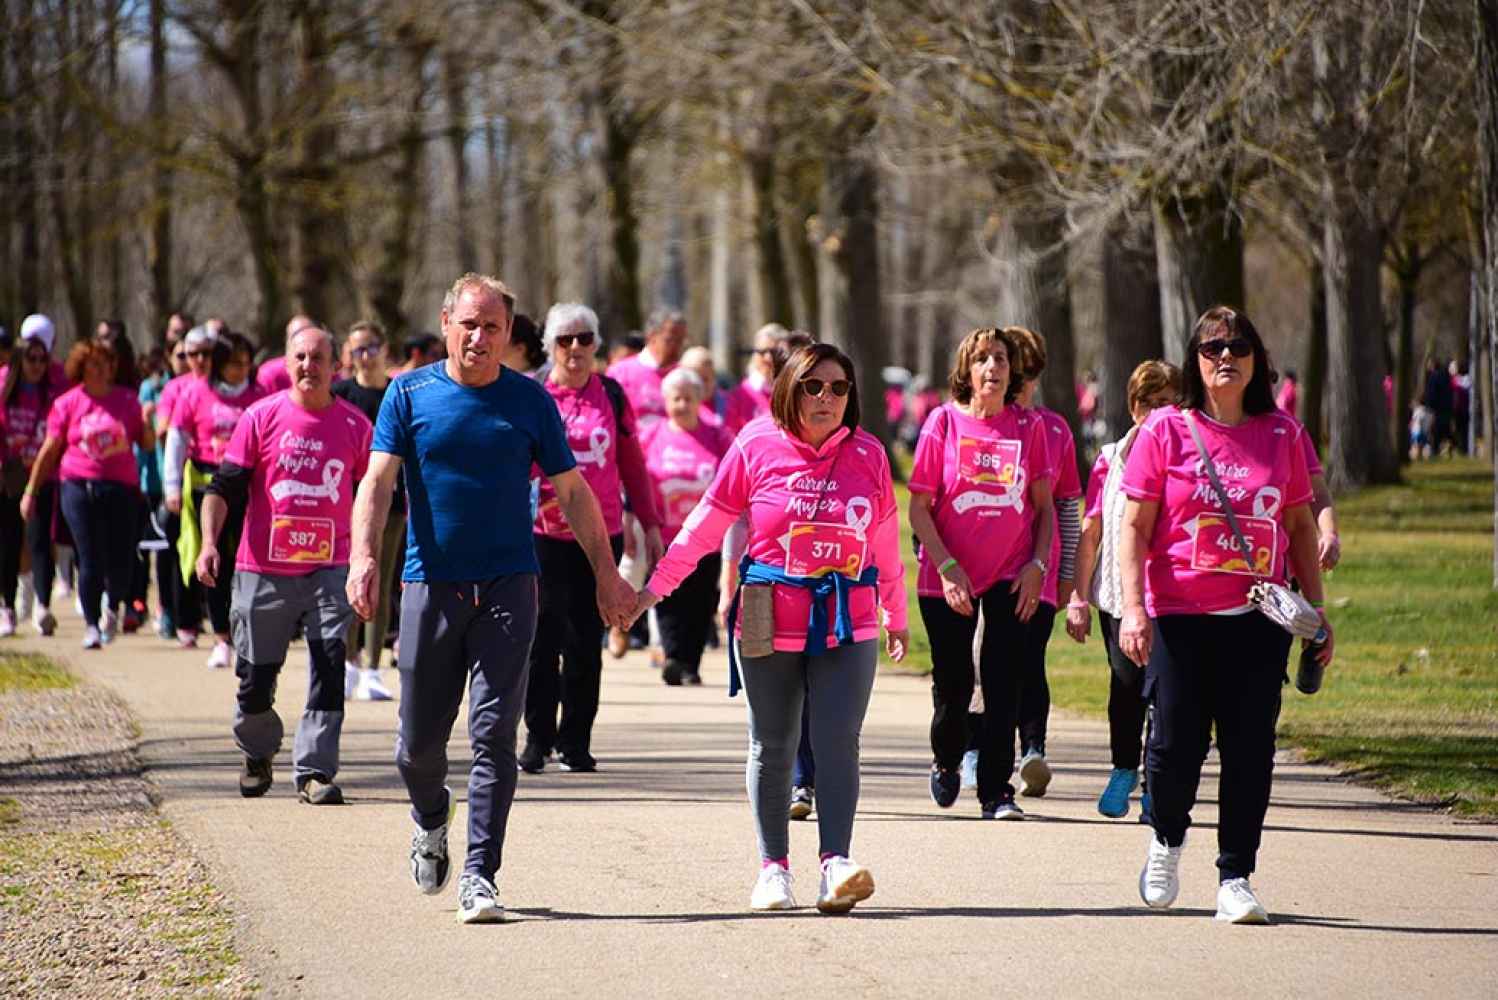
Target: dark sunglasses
x: 198, y: 354
x: 814, y: 387
x: 367, y: 352
x: 1239, y: 347
x: 566, y: 340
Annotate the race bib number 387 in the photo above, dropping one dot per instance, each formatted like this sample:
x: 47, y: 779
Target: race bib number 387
x: 1217, y: 549
x: 301, y: 540
x: 988, y: 461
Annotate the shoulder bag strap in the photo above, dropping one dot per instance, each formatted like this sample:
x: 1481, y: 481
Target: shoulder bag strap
x: 1222, y: 496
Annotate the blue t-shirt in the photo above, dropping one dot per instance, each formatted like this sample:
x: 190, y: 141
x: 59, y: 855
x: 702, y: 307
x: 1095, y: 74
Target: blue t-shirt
x: 149, y: 462
x: 467, y: 455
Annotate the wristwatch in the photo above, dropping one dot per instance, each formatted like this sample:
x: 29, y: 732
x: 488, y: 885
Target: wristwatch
x: 1042, y: 564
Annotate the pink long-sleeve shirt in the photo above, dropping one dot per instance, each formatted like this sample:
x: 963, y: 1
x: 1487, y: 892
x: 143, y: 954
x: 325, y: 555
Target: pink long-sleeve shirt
x: 812, y: 511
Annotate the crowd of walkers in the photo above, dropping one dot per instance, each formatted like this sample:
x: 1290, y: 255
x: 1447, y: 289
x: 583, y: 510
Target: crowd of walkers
x: 502, y: 509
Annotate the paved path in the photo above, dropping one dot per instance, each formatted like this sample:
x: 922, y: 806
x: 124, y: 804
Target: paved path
x: 634, y: 881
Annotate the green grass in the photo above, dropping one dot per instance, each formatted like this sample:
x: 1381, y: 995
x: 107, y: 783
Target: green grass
x: 1411, y: 702
x: 10, y: 812
x: 32, y: 672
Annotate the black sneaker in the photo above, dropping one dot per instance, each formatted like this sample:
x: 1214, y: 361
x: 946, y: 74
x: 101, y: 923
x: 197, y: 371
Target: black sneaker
x: 946, y: 785
x: 532, y: 759
x: 581, y: 762
x: 673, y: 672
x: 692, y: 679
x: 1004, y: 808
x: 255, y: 777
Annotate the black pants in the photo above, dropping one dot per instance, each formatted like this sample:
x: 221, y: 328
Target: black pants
x: 1001, y: 669
x: 687, y: 615
x: 12, y: 538
x: 221, y: 595
x: 1126, y: 705
x: 1035, y: 694
x: 39, y: 541
x: 1222, y: 670
x: 101, y: 515
x: 569, y: 636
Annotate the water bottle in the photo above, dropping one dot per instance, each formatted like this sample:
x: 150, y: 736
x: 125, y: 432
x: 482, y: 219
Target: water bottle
x: 1308, y: 675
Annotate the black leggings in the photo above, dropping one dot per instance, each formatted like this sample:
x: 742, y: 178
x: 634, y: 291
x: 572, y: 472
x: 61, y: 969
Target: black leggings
x: 1001, y: 669
x: 101, y: 514
x: 686, y: 615
x: 39, y: 541
x: 220, y: 595
x: 1035, y: 695
x: 12, y: 537
x: 1126, y: 706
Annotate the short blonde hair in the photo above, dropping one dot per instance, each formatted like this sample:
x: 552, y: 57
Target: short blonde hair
x: 487, y: 282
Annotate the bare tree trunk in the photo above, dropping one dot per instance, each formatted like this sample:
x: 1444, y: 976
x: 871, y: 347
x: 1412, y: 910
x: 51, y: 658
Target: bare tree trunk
x: 1199, y: 253
x: 388, y: 282
x: 28, y: 221
x: 1409, y: 264
x: 455, y: 89
x: 772, y: 275
x: 498, y: 153
x: 803, y: 241
x: 8, y: 314
x: 68, y: 192
x: 853, y: 187
x: 1313, y: 381
x: 1487, y: 147
x: 620, y: 135
x: 159, y: 214
x: 114, y: 248
x: 319, y: 230
x: 1131, y: 317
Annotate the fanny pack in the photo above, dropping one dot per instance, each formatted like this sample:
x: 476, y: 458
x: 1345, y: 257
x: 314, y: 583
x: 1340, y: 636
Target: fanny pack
x: 1281, y: 605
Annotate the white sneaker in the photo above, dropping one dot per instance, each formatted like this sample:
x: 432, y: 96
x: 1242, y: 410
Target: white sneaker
x: 91, y: 639
x: 369, y: 686
x: 845, y: 883
x: 221, y: 657
x: 1237, y: 904
x: 25, y: 597
x: 772, y: 890
x: 78, y: 604
x: 1034, y: 774
x: 107, y: 623
x: 1160, y: 880
x: 970, y: 769
x: 44, y: 620
x: 350, y: 681
x: 7, y: 623
x: 476, y: 901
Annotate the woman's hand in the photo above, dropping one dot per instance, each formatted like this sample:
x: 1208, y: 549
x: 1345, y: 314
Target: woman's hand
x: 28, y: 505
x: 958, y: 590
x: 1324, y: 654
x: 174, y: 502
x: 1079, y: 621
x: 1028, y: 585
x: 897, y: 643
x: 644, y: 601
x: 1328, y: 551
x: 1136, y: 635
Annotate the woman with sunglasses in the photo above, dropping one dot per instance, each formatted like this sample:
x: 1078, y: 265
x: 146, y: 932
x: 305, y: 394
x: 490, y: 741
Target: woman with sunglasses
x: 1211, y: 660
x: 28, y: 387
x: 980, y: 506
x: 90, y: 430
x: 1152, y: 385
x: 751, y: 397
x: 822, y: 569
x: 202, y: 423
x: 682, y: 454
x: 601, y: 431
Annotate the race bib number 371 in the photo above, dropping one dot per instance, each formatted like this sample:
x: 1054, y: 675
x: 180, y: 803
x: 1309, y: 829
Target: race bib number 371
x: 301, y: 540
x: 816, y: 549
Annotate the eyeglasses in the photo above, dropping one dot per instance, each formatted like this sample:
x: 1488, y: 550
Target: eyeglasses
x: 179, y: 355
x: 366, y: 352
x: 815, y: 387
x: 566, y: 340
x: 1239, y: 347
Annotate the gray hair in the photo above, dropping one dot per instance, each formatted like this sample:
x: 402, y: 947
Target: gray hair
x: 564, y: 315
x: 683, y: 377
x: 474, y: 280
x: 199, y: 336
x: 661, y: 316
x: 320, y: 331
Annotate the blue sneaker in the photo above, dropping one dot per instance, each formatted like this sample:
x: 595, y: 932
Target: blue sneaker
x: 1114, y: 802
x: 1145, y: 816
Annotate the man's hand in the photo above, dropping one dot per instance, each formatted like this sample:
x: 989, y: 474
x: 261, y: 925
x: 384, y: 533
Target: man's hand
x: 363, y: 586
x: 208, y: 564
x: 616, y: 598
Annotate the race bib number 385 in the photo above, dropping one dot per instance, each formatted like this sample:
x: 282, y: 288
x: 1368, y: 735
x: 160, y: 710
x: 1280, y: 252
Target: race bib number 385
x: 815, y: 549
x: 1217, y: 549
x: 301, y: 540
x: 988, y: 461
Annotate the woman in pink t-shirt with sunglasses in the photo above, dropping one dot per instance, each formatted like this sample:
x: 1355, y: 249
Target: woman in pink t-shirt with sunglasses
x: 1211, y: 659
x: 822, y: 568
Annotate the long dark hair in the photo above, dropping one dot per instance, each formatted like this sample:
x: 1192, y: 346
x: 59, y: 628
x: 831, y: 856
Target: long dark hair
x: 13, y: 375
x: 1259, y: 396
x: 125, y: 373
x: 225, y: 347
x: 785, y: 400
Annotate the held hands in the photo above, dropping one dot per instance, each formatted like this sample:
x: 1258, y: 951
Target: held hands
x: 616, y: 599
x: 1136, y: 635
x: 958, y: 590
x: 1079, y: 621
x: 208, y: 564
x: 642, y: 602
x: 363, y: 582
x: 1027, y: 585
x: 897, y: 643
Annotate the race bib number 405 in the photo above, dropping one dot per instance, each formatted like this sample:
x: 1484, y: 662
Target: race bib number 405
x: 1217, y: 549
x: 301, y: 540
x: 816, y: 549
x: 988, y: 461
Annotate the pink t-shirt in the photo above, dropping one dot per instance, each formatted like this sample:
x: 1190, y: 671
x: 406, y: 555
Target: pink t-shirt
x: 273, y: 376
x: 1313, y: 463
x: 306, y: 465
x: 25, y: 419
x: 170, y: 394
x: 978, y: 473
x: 57, y: 377
x: 1093, y: 505
x: 811, y: 511
x: 207, y: 418
x: 682, y: 465
x: 641, y: 378
x: 1194, y: 564
x: 99, y: 433
x: 591, y: 433
x: 1062, y: 448
x: 746, y: 401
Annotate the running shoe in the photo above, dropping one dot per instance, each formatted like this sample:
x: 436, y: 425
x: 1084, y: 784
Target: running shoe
x: 532, y: 759
x: 108, y: 623
x: 135, y: 616
x: 1160, y: 880
x: 845, y: 884
x: 91, y: 638
x: 255, y: 777
x: 221, y: 657
x: 1003, y: 808
x: 772, y: 890
x: 691, y: 678
x: 316, y: 792
x: 369, y: 687
x: 187, y: 638
x: 970, y: 769
x: 672, y: 672
x: 25, y: 597
x: 44, y: 620
x: 1114, y: 802
x: 164, y: 627
x: 1237, y: 904
x: 803, y: 800
x: 946, y: 785
x: 429, y: 864
x: 476, y: 900
x: 1034, y: 774
x: 350, y: 681
x: 7, y: 623
x: 580, y: 761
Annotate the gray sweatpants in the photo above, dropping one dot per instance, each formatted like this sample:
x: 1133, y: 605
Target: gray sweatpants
x: 455, y: 636
x: 836, y: 687
x: 264, y: 611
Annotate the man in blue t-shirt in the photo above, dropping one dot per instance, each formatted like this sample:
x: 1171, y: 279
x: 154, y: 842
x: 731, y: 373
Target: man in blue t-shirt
x: 467, y: 431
